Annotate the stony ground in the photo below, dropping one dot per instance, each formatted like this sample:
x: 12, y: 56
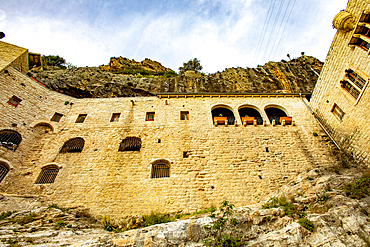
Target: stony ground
x: 317, y: 196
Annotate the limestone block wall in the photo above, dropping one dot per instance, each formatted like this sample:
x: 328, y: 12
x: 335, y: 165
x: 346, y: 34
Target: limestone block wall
x: 37, y: 105
x: 352, y: 132
x: 13, y: 55
x: 238, y: 163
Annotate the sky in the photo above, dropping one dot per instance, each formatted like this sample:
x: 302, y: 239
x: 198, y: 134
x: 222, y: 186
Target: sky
x: 220, y: 33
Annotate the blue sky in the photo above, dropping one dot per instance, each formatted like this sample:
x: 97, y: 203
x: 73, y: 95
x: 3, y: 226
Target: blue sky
x: 221, y: 34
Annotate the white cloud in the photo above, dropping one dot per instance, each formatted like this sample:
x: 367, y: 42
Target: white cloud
x: 221, y: 34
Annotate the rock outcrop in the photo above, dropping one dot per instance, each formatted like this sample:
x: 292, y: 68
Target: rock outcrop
x: 296, y: 76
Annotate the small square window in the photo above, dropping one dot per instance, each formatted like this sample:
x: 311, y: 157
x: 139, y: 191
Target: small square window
x: 14, y: 101
x: 81, y: 118
x: 115, y: 117
x: 56, y: 117
x: 337, y: 112
x: 184, y: 115
x: 150, y: 116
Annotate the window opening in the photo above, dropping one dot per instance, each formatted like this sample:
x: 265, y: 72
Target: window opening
x: 74, y: 145
x: 150, y: 116
x: 274, y: 113
x: 3, y: 171
x: 362, y: 29
x: 185, y: 154
x: 56, y: 117
x: 14, y: 101
x: 48, y: 175
x: 160, y: 170
x: 10, y: 139
x: 353, y: 83
x: 81, y: 118
x: 337, y: 112
x: 184, y: 115
x: 221, y: 114
x: 159, y: 140
x: 249, y: 115
x: 130, y: 144
x: 115, y: 117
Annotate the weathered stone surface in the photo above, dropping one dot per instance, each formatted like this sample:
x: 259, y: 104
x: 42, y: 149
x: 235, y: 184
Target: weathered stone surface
x: 295, y: 76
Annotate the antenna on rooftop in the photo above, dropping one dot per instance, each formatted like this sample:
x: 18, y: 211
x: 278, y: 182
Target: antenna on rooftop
x: 2, y: 35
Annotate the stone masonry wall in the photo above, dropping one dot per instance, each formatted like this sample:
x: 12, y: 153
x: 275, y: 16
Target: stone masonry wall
x: 352, y: 132
x: 224, y: 163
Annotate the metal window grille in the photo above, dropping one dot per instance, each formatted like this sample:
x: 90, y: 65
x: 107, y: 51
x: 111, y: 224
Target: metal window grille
x: 160, y: 171
x: 130, y: 144
x: 3, y: 171
x: 350, y: 88
x: 48, y: 176
x: 74, y: 145
x: 14, y: 101
x: 10, y: 139
x: 150, y: 116
x: 115, y: 117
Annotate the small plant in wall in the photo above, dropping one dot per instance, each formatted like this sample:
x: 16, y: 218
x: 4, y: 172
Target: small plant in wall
x: 220, y: 115
x: 223, y: 230
x: 66, y: 102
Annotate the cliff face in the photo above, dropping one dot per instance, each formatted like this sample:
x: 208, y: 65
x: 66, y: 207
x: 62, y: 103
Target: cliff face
x: 295, y: 76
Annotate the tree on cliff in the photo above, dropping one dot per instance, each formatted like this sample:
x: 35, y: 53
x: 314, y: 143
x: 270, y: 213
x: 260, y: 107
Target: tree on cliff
x: 192, y: 64
x: 52, y: 60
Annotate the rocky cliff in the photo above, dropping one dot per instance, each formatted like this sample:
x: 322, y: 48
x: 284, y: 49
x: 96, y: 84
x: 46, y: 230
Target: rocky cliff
x: 128, y: 78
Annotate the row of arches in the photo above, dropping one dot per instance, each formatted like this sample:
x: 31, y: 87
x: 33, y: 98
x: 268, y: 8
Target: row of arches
x: 273, y: 113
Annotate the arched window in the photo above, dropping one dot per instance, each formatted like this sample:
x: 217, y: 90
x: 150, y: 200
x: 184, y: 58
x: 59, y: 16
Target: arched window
x: 274, y: 113
x: 221, y: 113
x: 3, y: 171
x: 249, y: 112
x: 74, y: 145
x: 10, y: 139
x: 130, y: 144
x: 48, y: 175
x: 161, y: 169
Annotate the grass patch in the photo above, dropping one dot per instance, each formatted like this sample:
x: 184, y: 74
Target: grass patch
x: 59, y: 224
x: 359, y: 188
x: 4, y: 215
x: 276, y: 202
x: 26, y: 219
x: 306, y: 223
x: 57, y: 207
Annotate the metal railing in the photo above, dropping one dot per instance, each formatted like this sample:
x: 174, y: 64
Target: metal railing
x: 48, y: 176
x: 160, y: 171
x: 3, y: 172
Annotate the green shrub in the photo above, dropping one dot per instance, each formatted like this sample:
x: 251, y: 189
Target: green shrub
x: 4, y: 215
x: 306, y: 223
x: 156, y: 218
x: 359, y: 188
x: 275, y: 202
x: 109, y: 225
x: 223, y: 222
x: 315, y: 134
x: 26, y: 219
x: 59, y: 224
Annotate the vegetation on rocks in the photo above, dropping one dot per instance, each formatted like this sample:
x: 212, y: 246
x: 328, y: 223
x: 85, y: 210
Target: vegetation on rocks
x: 359, y: 188
x: 192, y: 64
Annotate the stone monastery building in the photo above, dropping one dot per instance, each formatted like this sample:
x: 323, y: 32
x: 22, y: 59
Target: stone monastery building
x: 181, y: 152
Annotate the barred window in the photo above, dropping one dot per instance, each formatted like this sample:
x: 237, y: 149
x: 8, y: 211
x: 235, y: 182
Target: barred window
x: 337, y: 112
x: 353, y: 83
x: 3, y: 171
x: 130, y: 144
x: 10, y: 139
x: 14, y: 101
x: 74, y: 145
x: 150, y: 116
x: 115, y: 117
x: 48, y: 175
x: 160, y: 170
